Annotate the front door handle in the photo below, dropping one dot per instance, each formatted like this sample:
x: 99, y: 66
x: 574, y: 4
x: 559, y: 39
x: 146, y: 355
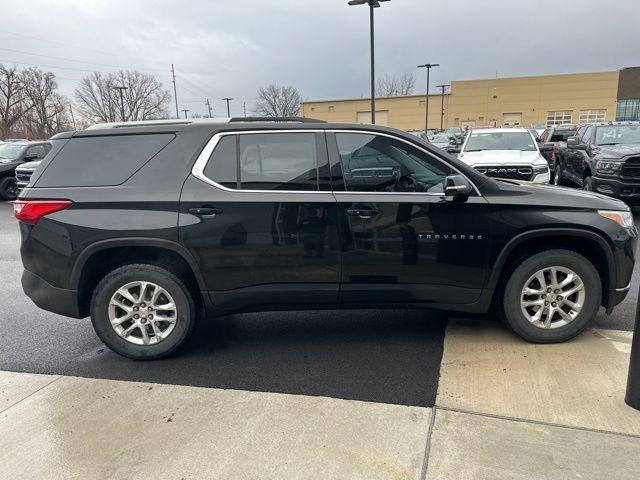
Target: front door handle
x: 205, y: 211
x: 363, y: 212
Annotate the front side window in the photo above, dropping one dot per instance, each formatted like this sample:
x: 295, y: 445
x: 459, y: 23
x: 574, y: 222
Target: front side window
x: 375, y: 163
x: 265, y: 161
x: 505, y: 140
x: 38, y: 150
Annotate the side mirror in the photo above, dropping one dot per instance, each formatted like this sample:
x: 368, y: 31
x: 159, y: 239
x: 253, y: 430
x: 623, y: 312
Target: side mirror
x: 457, y: 187
x: 30, y: 157
x: 574, y: 144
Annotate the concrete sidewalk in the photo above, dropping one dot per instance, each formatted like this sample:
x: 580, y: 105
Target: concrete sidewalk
x: 505, y: 410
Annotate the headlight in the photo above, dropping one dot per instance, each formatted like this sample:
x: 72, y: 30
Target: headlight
x: 537, y: 169
x: 624, y: 219
x: 608, y: 168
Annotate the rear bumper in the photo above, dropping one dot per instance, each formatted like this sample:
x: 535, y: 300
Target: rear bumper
x: 616, y: 187
x: 50, y: 298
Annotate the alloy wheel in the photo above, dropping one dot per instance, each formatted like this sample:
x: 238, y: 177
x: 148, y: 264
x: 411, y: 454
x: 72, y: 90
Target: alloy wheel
x: 142, y: 313
x: 552, y: 297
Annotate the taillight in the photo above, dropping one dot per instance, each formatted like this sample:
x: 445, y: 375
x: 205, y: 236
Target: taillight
x: 30, y: 211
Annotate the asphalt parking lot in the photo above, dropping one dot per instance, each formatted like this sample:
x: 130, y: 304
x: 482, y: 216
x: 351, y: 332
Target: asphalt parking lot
x: 380, y: 356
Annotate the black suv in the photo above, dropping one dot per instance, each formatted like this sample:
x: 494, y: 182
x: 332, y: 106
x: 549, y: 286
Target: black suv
x: 146, y: 227
x: 13, y: 154
x: 603, y: 158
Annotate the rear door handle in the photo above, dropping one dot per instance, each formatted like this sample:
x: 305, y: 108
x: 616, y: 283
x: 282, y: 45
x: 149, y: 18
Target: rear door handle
x: 205, y: 211
x: 363, y: 212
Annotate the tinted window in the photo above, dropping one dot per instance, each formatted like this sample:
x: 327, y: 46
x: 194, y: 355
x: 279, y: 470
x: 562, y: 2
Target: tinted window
x: 39, y: 150
x: 588, y: 133
x: 562, y: 135
x: 581, y: 131
x: 278, y: 161
x: 372, y: 163
x: 101, y: 161
x: 221, y: 167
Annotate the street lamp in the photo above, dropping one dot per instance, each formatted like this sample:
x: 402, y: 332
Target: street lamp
x: 428, y: 66
x: 443, y: 86
x: 121, y: 90
x: 372, y: 4
x: 227, y: 99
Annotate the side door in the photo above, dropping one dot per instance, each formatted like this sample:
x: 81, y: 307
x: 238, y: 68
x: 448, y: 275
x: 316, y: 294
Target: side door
x: 403, y: 241
x: 585, y: 155
x: 260, y: 222
x: 572, y: 158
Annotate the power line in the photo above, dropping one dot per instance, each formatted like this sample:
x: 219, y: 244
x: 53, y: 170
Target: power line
x: 55, y: 41
x: 23, y: 52
x: 58, y: 67
x: 202, y: 91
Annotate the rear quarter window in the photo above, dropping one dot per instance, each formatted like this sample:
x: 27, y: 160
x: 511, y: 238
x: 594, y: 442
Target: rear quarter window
x: 101, y: 161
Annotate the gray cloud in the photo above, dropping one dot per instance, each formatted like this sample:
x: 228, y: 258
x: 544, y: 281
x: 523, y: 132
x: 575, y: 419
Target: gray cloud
x: 230, y: 48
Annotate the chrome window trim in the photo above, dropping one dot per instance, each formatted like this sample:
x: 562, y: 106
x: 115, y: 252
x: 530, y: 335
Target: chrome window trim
x: 203, y: 158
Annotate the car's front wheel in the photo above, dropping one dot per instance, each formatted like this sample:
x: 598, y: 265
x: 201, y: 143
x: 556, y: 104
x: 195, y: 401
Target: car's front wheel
x: 143, y: 312
x: 552, y: 296
x: 557, y: 177
x: 8, y: 188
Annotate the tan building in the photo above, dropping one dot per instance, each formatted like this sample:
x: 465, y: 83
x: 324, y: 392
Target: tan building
x: 539, y: 100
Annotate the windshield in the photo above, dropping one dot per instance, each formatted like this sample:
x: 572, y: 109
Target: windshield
x: 10, y: 151
x: 617, y: 134
x: 440, y: 139
x: 522, y: 141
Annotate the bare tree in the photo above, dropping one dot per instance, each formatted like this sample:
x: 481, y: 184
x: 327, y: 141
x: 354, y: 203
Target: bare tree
x: 395, y: 86
x: 142, y: 99
x: 278, y: 101
x: 13, y: 104
x: 49, y: 109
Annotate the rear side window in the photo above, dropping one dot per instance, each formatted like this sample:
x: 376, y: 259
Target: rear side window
x: 101, y: 161
x: 265, y: 161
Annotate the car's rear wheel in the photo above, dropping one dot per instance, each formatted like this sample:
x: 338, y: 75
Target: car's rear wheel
x: 552, y: 296
x: 8, y: 188
x: 143, y: 312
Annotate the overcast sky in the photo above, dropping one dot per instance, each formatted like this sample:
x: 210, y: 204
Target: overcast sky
x: 228, y: 48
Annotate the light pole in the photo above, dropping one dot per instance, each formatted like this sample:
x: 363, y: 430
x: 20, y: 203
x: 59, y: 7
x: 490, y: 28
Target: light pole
x: 227, y: 99
x: 443, y: 86
x: 185, y: 112
x: 372, y: 4
x: 428, y: 66
x: 121, y: 90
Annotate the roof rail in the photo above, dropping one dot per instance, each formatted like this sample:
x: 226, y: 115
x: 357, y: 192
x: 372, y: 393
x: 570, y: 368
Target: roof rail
x: 276, y: 119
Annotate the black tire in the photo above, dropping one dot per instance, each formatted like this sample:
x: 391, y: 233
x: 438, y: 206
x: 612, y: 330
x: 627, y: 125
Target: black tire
x: 587, y: 184
x: 183, y: 298
x: 512, y: 310
x: 8, y: 188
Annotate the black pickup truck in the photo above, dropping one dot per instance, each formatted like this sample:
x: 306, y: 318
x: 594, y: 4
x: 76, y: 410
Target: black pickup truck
x: 603, y: 158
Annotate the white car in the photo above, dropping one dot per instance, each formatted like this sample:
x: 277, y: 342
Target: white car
x: 510, y: 153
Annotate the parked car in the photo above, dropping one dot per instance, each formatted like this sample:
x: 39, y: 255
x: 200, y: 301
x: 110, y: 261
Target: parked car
x: 550, y: 138
x: 145, y: 228
x: 604, y: 158
x: 12, y: 154
x: 510, y: 153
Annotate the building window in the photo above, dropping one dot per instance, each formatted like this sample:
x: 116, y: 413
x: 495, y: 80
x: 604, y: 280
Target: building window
x: 559, y: 117
x: 628, y: 110
x: 332, y: 108
x: 592, y: 116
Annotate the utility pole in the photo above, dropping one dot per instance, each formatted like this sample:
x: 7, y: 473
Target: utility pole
x: 175, y: 92
x: 244, y: 109
x: 209, y: 107
x: 428, y: 66
x: 372, y: 4
x: 443, y: 86
x: 185, y: 112
x: 227, y: 99
x: 73, y: 119
x: 121, y: 90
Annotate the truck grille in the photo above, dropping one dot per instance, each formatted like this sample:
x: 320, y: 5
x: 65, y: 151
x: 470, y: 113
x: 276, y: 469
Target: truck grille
x: 512, y: 172
x: 631, y: 168
x: 23, y: 176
